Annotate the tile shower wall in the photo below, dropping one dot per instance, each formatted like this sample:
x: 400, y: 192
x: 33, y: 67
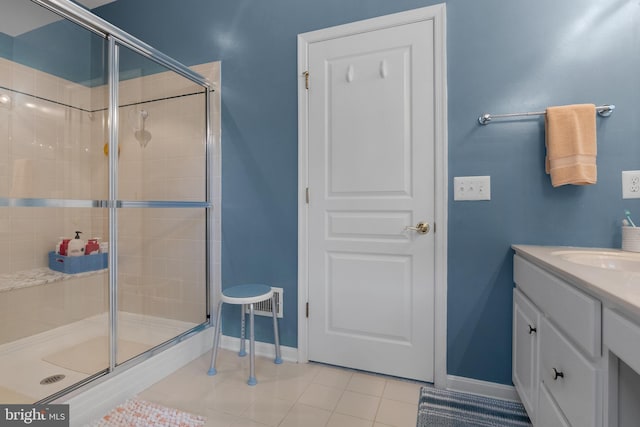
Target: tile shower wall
x: 51, y: 151
x: 46, y: 152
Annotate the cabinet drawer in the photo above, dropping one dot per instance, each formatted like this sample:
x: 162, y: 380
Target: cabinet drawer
x: 579, y: 315
x: 549, y: 415
x: 570, y: 378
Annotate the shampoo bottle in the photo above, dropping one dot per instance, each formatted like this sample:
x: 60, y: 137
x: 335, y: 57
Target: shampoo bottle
x: 76, y: 246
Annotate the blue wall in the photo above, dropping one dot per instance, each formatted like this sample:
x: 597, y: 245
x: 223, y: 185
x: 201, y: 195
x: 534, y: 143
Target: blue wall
x: 73, y: 53
x: 6, y: 45
x: 62, y: 49
x: 502, y: 57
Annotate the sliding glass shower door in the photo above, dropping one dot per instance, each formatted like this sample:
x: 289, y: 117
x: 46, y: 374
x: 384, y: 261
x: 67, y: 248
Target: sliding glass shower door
x: 106, y: 139
x: 162, y: 213
x: 54, y: 309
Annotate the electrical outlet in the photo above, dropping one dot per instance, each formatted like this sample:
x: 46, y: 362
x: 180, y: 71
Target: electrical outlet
x: 631, y: 184
x: 472, y: 188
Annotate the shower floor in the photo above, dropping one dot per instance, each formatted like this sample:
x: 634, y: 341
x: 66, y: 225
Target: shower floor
x: 26, y: 362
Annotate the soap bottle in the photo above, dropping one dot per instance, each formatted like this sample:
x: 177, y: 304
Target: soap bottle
x: 64, y: 247
x: 92, y: 246
x: 59, y: 245
x: 76, y: 245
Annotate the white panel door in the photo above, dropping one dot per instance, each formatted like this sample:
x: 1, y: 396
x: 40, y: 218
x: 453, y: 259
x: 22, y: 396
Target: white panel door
x: 371, y: 174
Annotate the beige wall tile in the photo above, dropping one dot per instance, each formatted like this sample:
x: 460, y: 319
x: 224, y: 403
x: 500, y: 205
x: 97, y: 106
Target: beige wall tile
x: 6, y: 72
x: 66, y: 159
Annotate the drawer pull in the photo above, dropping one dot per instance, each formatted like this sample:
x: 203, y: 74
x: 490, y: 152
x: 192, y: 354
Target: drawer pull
x: 532, y: 330
x: 557, y: 374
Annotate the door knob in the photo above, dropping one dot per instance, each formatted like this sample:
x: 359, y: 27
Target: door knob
x: 421, y: 227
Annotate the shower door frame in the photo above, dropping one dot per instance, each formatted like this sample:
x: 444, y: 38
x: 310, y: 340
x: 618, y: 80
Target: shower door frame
x: 116, y: 37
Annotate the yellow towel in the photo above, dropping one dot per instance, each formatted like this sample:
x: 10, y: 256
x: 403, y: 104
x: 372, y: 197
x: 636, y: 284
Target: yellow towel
x: 571, y: 144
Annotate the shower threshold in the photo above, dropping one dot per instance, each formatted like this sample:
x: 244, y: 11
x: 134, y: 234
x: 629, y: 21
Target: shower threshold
x: 73, y: 348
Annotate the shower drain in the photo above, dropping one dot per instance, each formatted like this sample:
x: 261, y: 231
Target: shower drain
x: 52, y: 379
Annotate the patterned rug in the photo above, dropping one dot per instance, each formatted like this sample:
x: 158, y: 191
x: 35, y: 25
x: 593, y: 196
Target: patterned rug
x: 442, y: 408
x: 140, y: 413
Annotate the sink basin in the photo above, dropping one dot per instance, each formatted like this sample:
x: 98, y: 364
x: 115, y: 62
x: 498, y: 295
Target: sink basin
x: 621, y: 261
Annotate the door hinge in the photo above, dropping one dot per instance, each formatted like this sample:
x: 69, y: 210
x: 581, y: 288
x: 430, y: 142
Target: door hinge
x: 306, y: 195
x: 306, y: 79
x: 307, y: 310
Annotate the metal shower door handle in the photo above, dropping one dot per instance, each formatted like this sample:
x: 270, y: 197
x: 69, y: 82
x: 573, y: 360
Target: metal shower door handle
x: 421, y: 227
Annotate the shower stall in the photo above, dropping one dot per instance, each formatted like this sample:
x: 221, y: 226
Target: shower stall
x: 106, y: 139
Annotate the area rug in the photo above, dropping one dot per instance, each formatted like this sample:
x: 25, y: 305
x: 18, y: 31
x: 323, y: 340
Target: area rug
x: 442, y: 408
x: 140, y: 413
x: 92, y: 356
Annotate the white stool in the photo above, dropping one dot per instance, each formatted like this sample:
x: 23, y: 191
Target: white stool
x: 243, y: 295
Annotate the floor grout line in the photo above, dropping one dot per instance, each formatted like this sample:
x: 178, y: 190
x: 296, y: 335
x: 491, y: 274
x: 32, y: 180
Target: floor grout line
x: 304, y: 376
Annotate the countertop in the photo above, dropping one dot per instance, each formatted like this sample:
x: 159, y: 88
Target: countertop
x: 616, y: 289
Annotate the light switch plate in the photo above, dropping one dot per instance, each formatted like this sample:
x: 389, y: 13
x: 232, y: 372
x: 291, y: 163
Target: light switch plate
x: 472, y: 188
x: 631, y: 184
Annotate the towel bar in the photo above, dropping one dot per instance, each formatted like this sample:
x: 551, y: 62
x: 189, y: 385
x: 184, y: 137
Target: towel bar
x: 603, y: 111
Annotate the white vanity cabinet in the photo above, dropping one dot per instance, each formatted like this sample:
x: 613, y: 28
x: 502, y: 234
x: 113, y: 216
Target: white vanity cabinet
x: 621, y: 338
x: 525, y: 351
x: 581, y: 365
x: 548, y: 413
x: 557, y: 349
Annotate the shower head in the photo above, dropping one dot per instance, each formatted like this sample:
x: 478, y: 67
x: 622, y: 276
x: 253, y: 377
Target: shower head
x: 139, y: 117
x: 143, y: 115
x: 143, y: 136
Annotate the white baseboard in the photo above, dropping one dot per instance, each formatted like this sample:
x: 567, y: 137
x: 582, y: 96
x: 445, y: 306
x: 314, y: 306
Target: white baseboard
x: 482, y: 388
x: 290, y: 354
x: 98, y: 399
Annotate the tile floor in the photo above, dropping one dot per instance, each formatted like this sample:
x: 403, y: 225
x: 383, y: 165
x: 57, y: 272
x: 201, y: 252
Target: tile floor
x: 287, y: 395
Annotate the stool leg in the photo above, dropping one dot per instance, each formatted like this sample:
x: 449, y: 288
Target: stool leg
x: 252, y: 349
x: 216, y: 341
x: 242, y: 351
x: 278, y: 359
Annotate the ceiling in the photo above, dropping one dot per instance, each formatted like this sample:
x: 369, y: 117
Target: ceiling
x: 21, y: 16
